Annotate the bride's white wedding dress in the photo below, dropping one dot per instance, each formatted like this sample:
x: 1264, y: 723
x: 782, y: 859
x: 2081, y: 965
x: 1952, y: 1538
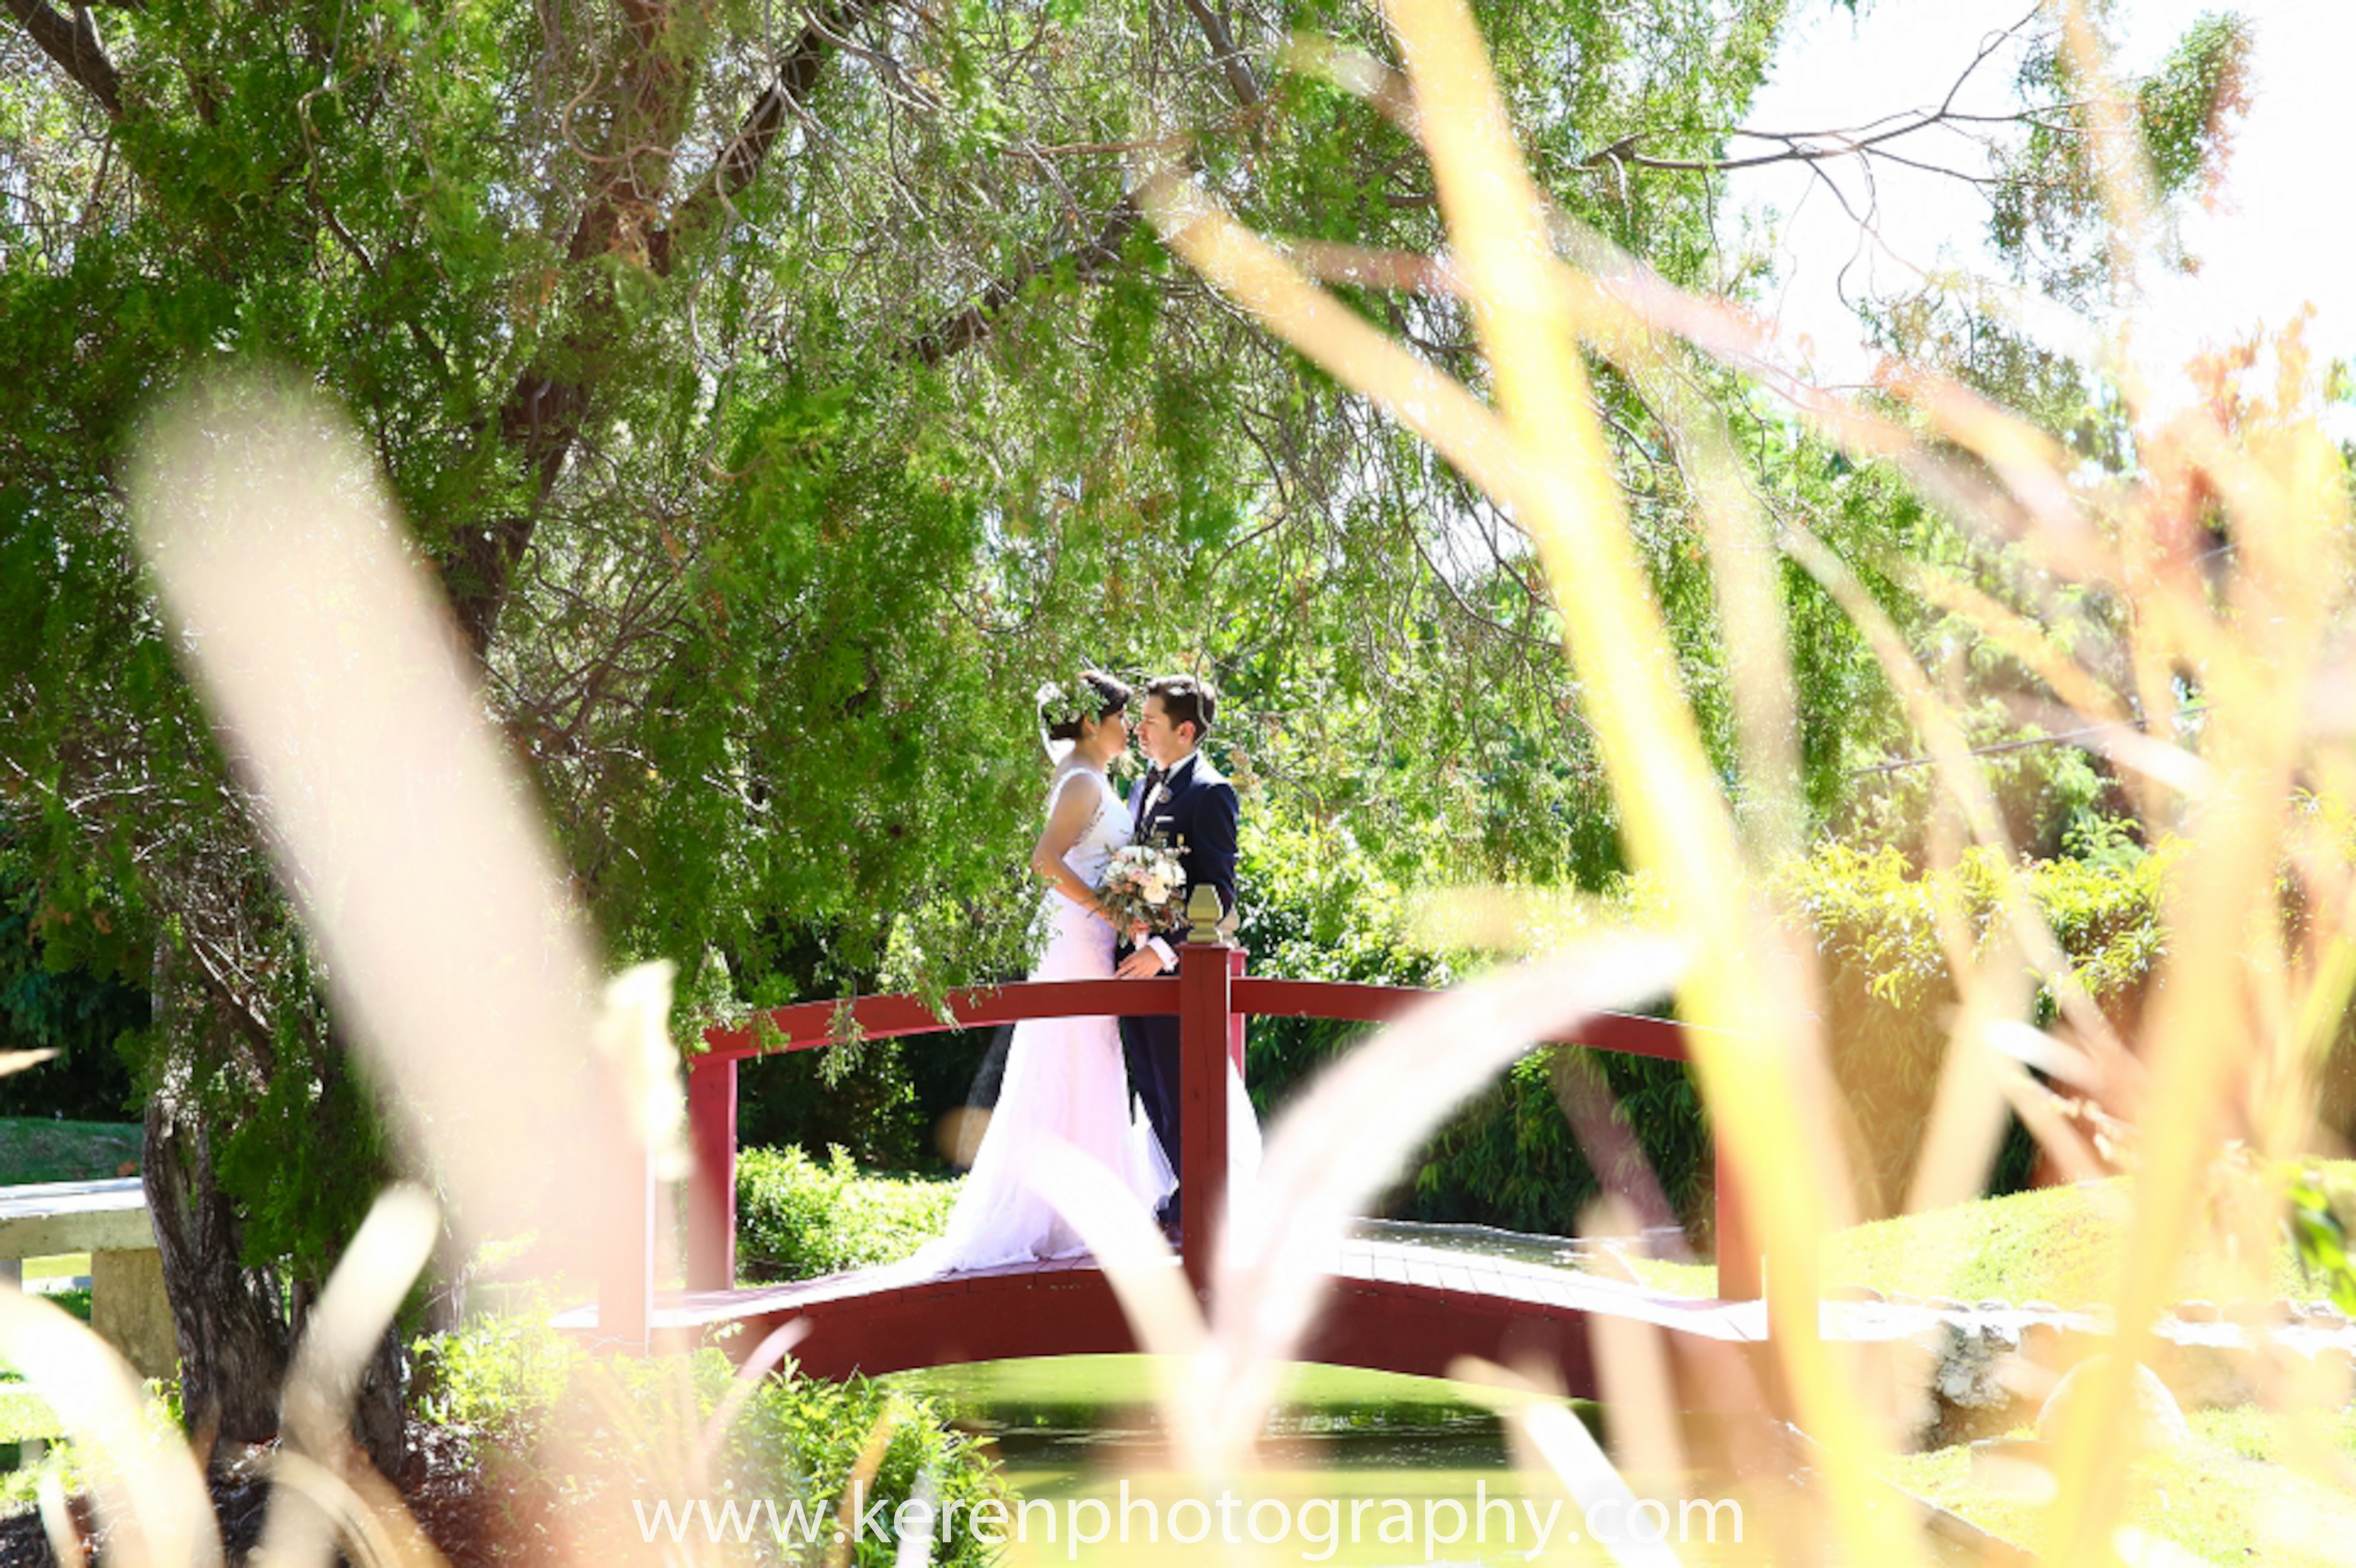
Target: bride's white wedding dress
x: 1065, y: 1080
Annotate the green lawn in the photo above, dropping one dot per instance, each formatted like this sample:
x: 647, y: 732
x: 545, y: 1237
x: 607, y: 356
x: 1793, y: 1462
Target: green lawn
x: 34, y: 1149
x: 2236, y: 1495
x: 2058, y: 1244
x: 66, y: 1265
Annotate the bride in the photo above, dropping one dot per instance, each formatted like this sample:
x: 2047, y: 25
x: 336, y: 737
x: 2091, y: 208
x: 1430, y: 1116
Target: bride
x: 1064, y: 1077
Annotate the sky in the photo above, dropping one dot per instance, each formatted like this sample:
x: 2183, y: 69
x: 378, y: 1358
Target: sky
x: 2285, y: 234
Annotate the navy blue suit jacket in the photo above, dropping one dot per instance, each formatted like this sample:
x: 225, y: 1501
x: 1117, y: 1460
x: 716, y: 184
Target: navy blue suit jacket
x: 1195, y: 813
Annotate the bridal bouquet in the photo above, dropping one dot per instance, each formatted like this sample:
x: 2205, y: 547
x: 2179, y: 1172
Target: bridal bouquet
x: 1146, y: 884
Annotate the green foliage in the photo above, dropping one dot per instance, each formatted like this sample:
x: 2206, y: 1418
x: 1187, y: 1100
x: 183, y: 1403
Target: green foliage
x: 1317, y: 905
x: 511, y: 1383
x: 2322, y: 1213
x: 48, y: 1004
x: 872, y: 1110
x: 502, y: 1372
x: 2048, y: 211
x: 1874, y: 915
x: 797, y: 1218
x: 24, y: 1413
x: 829, y: 1425
x: 1887, y: 991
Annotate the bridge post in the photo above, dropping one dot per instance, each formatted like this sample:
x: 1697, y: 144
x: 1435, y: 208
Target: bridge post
x: 1740, y: 1274
x: 712, y: 1190
x: 1206, y: 1026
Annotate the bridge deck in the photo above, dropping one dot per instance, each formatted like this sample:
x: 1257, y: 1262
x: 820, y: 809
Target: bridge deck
x: 1396, y: 1307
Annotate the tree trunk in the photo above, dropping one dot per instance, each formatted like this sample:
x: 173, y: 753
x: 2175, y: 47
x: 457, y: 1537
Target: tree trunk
x: 379, y: 1405
x: 233, y: 1337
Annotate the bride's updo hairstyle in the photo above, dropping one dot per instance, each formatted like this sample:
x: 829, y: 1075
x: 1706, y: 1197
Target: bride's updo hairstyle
x: 1099, y: 691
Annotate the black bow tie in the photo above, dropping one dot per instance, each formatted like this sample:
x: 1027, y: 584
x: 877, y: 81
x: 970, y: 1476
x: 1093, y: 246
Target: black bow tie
x: 1153, y: 777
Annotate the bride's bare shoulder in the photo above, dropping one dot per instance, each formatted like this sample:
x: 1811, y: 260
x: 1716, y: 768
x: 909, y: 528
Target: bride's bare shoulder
x: 1059, y: 782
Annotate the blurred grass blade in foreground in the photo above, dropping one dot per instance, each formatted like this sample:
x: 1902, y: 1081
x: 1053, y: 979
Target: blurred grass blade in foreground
x: 394, y: 813
x: 153, y: 1509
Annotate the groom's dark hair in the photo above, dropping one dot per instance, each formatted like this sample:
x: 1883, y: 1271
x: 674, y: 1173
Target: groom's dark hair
x: 1186, y: 701
x: 1111, y: 696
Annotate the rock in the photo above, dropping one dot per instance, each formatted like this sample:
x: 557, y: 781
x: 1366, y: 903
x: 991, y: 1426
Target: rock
x: 1971, y: 1385
x: 2042, y: 1343
x: 1993, y: 1306
x: 2161, y: 1424
x: 1947, y: 1304
x: 2197, y: 1311
x: 1853, y: 1293
x: 2207, y: 1377
x: 2046, y: 1307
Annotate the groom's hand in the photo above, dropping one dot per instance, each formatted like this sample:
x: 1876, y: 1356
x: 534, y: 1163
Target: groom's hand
x: 1141, y: 965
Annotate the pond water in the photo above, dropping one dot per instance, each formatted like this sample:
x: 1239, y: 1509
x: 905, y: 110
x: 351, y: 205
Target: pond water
x: 1405, y: 1454
x: 1056, y: 1420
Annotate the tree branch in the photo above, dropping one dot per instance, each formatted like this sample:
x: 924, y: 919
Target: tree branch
x: 1225, y: 54
x: 75, y: 47
x: 1819, y: 146
x: 962, y: 330
x: 541, y: 418
x: 740, y: 161
x: 969, y: 326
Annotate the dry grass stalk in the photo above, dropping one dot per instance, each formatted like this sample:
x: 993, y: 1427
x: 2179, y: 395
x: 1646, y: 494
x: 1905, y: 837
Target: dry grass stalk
x: 2255, y: 653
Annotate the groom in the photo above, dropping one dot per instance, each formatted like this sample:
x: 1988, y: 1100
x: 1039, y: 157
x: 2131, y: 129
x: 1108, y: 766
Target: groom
x: 1190, y: 806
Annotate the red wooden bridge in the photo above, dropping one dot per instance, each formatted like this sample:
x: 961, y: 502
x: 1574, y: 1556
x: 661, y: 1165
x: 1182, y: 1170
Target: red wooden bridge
x: 1394, y: 1306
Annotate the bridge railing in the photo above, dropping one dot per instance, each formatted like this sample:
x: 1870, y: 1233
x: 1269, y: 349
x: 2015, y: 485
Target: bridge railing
x: 1210, y: 996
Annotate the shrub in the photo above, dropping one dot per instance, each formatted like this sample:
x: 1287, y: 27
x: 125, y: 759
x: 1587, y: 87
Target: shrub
x: 501, y: 1372
x: 797, y: 1219
x: 506, y: 1383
